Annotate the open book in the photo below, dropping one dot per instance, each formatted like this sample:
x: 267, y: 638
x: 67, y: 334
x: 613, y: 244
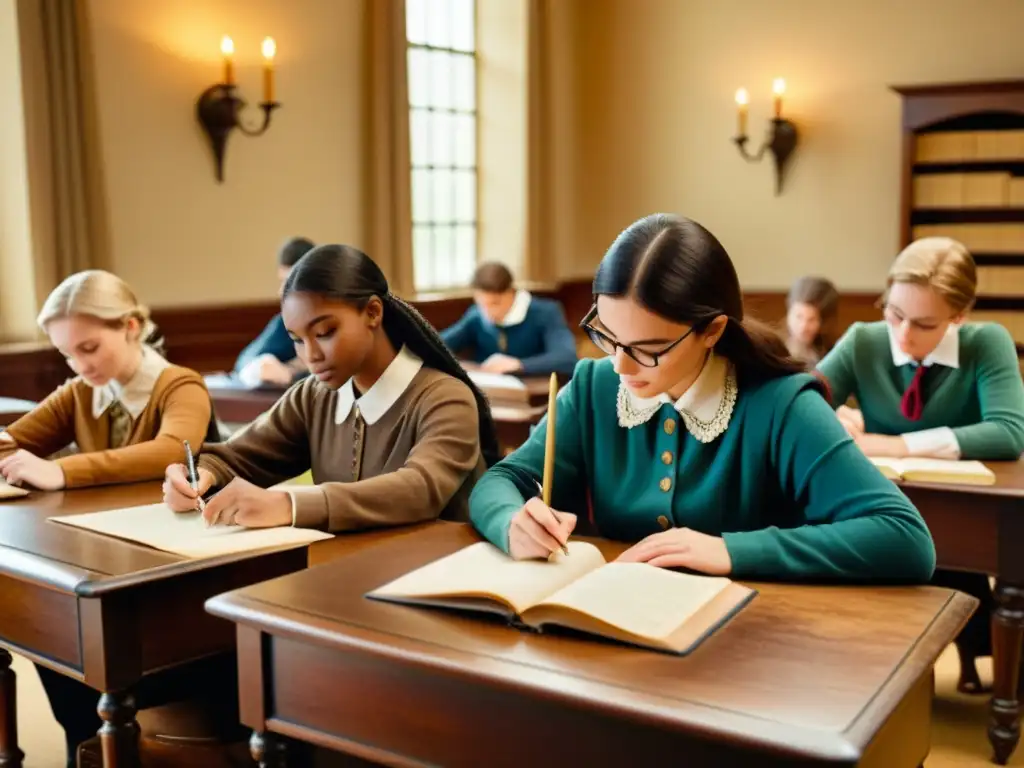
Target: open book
x: 633, y: 603
x: 936, y: 471
x: 185, y: 533
x: 8, y: 491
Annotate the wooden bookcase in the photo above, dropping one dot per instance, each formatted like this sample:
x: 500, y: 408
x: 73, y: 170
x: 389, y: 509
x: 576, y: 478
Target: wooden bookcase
x: 963, y: 177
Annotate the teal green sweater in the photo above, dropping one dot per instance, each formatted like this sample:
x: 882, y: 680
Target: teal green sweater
x: 788, y: 490
x: 982, y: 400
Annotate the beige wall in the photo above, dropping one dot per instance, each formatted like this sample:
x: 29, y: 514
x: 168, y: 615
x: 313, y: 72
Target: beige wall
x: 657, y: 114
x: 178, y: 236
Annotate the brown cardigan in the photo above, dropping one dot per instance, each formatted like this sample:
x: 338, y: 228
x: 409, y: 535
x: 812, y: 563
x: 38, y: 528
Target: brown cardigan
x: 419, y: 461
x: 178, y: 409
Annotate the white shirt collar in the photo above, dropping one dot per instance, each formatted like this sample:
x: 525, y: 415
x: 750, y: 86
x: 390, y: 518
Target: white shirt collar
x: 134, y: 395
x: 706, y: 407
x: 947, y: 353
x: 517, y: 312
x: 376, y: 401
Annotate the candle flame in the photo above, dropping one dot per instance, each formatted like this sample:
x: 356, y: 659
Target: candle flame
x: 742, y: 98
x: 269, y: 48
x: 227, y: 46
x: 779, y: 86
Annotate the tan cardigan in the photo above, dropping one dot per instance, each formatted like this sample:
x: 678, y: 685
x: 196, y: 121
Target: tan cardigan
x: 178, y: 409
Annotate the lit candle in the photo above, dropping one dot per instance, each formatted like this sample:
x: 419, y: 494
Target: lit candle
x: 741, y: 104
x: 227, y: 47
x: 269, y: 50
x: 778, y: 88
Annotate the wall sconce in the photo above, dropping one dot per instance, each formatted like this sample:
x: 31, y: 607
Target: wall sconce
x: 218, y: 107
x: 782, y: 134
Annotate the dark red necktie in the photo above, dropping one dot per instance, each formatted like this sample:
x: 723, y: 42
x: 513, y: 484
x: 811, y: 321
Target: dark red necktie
x: 913, y: 398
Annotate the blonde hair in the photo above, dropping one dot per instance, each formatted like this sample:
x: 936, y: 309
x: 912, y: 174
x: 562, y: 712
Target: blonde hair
x: 98, y: 294
x: 942, y: 264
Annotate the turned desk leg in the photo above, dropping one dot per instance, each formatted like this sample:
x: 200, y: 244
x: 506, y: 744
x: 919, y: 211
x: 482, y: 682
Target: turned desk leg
x: 10, y: 755
x: 1007, y: 636
x: 268, y: 750
x: 119, y: 734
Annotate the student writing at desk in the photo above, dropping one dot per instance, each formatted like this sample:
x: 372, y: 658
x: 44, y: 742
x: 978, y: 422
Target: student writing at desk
x: 270, y: 358
x: 389, y: 422
x: 128, y: 410
x: 512, y: 331
x: 930, y: 385
x: 698, y: 439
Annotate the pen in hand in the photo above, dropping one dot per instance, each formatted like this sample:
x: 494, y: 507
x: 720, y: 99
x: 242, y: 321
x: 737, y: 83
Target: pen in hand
x: 193, y: 476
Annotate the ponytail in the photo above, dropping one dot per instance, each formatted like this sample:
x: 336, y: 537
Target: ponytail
x: 757, y: 351
x: 404, y: 325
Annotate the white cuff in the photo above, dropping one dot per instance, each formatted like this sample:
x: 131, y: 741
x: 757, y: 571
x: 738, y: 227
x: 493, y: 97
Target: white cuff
x: 291, y: 497
x: 938, y: 443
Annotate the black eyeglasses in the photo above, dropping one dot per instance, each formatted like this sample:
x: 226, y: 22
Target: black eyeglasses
x: 610, y: 346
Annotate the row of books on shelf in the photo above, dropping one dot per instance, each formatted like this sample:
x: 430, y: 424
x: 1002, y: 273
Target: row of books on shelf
x: 1001, y: 281
x: 979, y: 238
x: 969, y: 190
x: 1011, y: 320
x: 969, y: 146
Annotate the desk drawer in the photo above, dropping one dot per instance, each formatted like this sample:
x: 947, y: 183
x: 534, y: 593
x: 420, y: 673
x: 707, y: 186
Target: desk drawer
x: 40, y: 620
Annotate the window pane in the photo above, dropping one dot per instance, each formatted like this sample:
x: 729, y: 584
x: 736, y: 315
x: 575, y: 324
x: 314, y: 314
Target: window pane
x: 464, y: 129
x: 416, y: 21
x: 419, y: 136
x: 419, y: 78
x: 444, y: 244
x: 442, y: 137
x: 442, y: 198
x: 463, y: 82
x: 440, y: 79
x: 465, y: 196
x: 422, y: 256
x: 422, y: 191
x: 463, y: 25
x: 439, y: 23
x: 465, y: 252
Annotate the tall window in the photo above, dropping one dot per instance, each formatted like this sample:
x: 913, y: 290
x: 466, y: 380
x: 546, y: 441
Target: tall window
x: 442, y: 127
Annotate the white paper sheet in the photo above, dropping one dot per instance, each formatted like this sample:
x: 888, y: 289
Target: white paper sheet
x: 158, y: 526
x: 487, y: 381
x: 8, y: 491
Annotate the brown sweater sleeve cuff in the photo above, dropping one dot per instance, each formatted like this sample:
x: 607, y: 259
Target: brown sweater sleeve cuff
x: 309, y: 508
x: 221, y: 472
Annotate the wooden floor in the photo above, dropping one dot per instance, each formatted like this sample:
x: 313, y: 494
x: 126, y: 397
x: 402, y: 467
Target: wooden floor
x: 958, y: 738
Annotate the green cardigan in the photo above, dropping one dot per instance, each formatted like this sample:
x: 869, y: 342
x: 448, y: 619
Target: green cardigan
x: 982, y: 400
x: 787, y: 489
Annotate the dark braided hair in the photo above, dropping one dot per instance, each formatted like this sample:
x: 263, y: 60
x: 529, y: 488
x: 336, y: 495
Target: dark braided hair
x: 344, y: 273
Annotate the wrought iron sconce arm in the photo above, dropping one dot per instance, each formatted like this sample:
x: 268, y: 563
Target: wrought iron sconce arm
x: 219, y: 112
x: 780, y: 141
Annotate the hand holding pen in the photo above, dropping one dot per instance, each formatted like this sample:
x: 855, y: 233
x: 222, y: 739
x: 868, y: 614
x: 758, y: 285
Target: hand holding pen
x: 184, y: 485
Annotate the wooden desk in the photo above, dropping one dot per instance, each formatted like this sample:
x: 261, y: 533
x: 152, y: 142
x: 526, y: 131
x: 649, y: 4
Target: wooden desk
x: 809, y: 676
x: 981, y: 528
x: 238, y: 405
x: 121, y: 617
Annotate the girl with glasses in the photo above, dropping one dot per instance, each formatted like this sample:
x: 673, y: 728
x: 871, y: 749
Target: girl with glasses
x: 928, y: 384
x: 698, y: 438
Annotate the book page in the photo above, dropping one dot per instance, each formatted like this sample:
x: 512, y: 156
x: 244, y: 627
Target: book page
x: 942, y: 470
x: 8, y: 491
x: 641, y: 599
x: 487, y: 381
x: 483, y: 570
x: 185, y: 533
x: 891, y: 468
